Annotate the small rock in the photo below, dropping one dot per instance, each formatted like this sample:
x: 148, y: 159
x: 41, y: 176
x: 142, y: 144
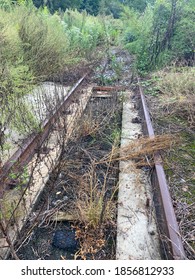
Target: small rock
x: 61, y: 175
x: 136, y: 120
x: 151, y: 229
x: 58, y: 193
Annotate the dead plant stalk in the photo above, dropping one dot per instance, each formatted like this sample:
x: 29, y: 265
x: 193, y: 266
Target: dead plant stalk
x: 140, y: 148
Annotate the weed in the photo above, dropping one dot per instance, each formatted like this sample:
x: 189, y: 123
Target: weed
x: 96, y: 211
x: 9, y: 207
x: 116, y: 66
x: 88, y: 127
x: 175, y: 94
x: 93, y: 206
x: 176, y: 81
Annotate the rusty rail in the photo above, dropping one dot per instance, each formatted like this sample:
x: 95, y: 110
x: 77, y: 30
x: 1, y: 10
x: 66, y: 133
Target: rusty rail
x: 24, y: 154
x: 159, y: 181
x: 28, y: 150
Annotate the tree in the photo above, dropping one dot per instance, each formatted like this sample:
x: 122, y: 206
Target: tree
x: 183, y: 43
x: 55, y: 5
x: 91, y: 6
x: 138, y: 5
x: 113, y: 7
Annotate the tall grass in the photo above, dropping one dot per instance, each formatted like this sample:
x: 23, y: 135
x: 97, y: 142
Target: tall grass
x: 177, y: 98
x: 176, y: 81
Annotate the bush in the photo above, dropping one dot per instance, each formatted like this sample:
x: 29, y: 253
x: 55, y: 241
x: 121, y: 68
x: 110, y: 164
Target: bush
x: 137, y: 34
x: 162, y: 34
x: 43, y: 41
x: 16, y: 79
x: 86, y: 32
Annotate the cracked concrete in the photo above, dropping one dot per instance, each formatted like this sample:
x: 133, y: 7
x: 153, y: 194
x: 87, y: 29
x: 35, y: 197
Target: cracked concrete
x: 137, y: 236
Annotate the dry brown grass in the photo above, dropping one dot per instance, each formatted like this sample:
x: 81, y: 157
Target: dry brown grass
x: 176, y: 81
x: 93, y: 205
x: 142, y: 148
x: 96, y: 210
x: 91, y: 242
x: 88, y: 127
x: 177, y: 88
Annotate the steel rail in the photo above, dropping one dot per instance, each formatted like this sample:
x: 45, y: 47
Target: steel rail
x: 25, y: 153
x: 177, y: 250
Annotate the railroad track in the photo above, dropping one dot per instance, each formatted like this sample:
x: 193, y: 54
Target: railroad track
x: 38, y: 156
x: 32, y: 153
x: 168, y: 219
x: 25, y: 153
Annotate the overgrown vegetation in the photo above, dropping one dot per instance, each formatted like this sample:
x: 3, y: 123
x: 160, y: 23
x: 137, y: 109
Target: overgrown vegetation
x: 171, y: 94
x: 36, y: 46
x: 163, y: 33
x: 42, y: 40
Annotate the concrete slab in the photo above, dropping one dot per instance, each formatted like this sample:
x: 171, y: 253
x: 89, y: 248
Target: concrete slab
x: 137, y: 236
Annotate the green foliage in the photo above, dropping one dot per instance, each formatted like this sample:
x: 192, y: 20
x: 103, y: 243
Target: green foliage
x: 86, y: 32
x: 91, y: 6
x: 43, y: 41
x: 6, y: 5
x: 137, y: 33
x: 16, y: 79
x: 138, y: 5
x: 163, y: 33
x: 108, y: 7
x: 183, y: 44
x: 34, y: 47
